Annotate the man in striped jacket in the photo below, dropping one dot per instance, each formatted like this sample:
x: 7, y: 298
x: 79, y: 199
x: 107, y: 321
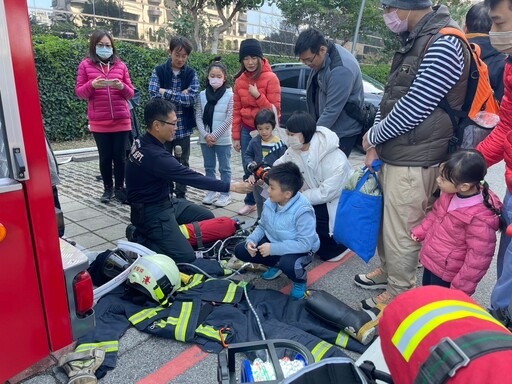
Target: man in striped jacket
x: 411, y: 135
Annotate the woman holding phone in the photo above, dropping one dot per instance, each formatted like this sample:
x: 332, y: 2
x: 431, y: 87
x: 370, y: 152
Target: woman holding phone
x: 103, y: 80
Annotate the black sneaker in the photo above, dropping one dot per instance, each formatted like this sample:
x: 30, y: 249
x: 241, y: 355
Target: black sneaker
x: 107, y: 195
x: 120, y: 194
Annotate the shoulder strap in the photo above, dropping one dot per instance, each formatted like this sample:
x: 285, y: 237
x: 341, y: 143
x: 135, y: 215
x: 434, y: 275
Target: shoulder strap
x: 199, y: 235
x: 451, y: 355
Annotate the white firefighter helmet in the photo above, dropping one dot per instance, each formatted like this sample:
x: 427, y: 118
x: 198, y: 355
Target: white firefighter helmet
x: 157, y: 276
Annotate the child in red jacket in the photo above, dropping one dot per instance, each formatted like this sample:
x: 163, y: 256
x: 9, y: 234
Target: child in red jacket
x: 459, y: 234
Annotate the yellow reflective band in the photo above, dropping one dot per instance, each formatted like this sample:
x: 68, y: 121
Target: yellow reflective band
x: 184, y: 231
x: 107, y: 346
x: 144, y: 314
x: 242, y: 283
x: 172, y: 321
x: 208, y: 331
x: 320, y: 349
x: 424, y: 320
x: 230, y: 294
x: 180, y: 332
x: 196, y: 280
x: 342, y: 339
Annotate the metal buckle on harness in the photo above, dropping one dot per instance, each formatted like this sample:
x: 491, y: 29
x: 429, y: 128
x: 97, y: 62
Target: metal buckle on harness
x: 451, y: 354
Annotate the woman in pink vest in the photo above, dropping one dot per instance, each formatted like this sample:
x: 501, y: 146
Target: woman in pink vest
x: 103, y: 80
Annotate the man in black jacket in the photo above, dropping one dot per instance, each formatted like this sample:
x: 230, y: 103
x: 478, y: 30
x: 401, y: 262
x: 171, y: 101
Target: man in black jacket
x: 155, y: 215
x: 478, y: 25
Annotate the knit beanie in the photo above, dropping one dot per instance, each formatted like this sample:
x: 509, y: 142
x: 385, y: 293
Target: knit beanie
x: 407, y: 4
x: 250, y: 47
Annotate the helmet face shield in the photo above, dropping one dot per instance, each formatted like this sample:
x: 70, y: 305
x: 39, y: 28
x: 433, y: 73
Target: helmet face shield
x: 157, y: 276
x: 115, y: 263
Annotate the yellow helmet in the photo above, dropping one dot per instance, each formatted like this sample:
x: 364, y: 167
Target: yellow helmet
x: 157, y: 276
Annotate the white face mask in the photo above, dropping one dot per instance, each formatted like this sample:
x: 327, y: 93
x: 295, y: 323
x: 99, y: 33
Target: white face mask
x: 294, y: 142
x: 502, y: 41
x: 215, y: 82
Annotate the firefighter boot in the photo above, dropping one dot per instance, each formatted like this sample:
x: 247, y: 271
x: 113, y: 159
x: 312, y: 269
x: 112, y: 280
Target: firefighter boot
x: 359, y: 324
x: 80, y: 366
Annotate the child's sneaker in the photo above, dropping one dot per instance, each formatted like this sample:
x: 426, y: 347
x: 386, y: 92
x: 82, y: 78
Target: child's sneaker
x: 210, y: 197
x: 223, y: 201
x: 298, y: 290
x: 380, y: 300
x: 271, y: 274
x: 373, y: 280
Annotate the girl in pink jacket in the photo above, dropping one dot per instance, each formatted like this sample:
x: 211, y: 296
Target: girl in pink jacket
x: 459, y: 233
x: 103, y: 81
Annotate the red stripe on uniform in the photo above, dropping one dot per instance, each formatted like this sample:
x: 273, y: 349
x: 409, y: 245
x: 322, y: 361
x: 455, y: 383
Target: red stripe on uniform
x: 186, y: 360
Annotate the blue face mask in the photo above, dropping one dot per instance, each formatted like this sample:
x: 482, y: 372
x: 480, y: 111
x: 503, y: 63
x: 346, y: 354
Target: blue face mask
x: 104, y: 52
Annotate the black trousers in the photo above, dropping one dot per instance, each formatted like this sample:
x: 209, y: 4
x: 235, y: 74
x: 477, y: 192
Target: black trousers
x: 346, y: 144
x: 158, y: 225
x: 430, y: 279
x: 180, y: 189
x: 328, y: 246
x: 112, y: 149
x: 292, y: 264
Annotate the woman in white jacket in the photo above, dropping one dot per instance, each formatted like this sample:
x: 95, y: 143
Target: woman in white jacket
x: 325, y: 169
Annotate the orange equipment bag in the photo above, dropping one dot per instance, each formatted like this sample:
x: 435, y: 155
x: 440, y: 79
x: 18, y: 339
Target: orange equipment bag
x: 434, y: 335
x: 200, y: 233
x: 480, y: 107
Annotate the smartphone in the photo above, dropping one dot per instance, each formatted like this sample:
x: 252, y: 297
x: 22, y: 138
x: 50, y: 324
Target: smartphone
x: 110, y: 82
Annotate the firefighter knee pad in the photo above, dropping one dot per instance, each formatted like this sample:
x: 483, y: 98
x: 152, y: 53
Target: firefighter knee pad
x: 81, y: 366
x: 361, y: 325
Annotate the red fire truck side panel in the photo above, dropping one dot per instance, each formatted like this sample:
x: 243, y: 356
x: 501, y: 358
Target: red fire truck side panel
x: 22, y: 322
x: 39, y: 198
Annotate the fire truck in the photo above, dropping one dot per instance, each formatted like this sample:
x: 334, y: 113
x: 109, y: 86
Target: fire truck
x: 46, y: 295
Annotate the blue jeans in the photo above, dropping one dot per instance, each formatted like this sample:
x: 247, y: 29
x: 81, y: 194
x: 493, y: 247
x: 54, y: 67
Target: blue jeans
x: 502, y: 292
x: 245, y: 137
x: 222, y: 153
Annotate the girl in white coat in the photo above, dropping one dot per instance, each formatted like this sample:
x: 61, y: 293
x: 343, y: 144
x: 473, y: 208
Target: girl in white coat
x: 325, y: 169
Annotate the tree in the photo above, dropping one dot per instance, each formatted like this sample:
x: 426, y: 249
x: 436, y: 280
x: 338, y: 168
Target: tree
x: 335, y: 18
x: 190, y: 20
x: 226, y: 16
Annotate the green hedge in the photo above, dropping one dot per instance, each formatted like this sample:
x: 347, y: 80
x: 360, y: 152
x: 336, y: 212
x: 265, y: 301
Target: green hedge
x: 57, y: 60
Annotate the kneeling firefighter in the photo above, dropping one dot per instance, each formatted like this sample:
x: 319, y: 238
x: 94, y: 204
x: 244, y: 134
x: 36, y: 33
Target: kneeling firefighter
x: 438, y: 335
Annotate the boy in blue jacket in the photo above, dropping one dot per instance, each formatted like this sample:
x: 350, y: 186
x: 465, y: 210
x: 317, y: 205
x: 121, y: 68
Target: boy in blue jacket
x: 285, y: 234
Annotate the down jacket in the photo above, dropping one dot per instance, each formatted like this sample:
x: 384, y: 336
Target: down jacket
x: 498, y: 145
x: 245, y: 106
x: 104, y: 103
x: 325, y: 172
x: 458, y: 246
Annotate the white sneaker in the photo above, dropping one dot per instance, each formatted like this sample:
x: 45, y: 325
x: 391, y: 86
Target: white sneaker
x: 340, y: 256
x: 223, y: 200
x: 210, y: 197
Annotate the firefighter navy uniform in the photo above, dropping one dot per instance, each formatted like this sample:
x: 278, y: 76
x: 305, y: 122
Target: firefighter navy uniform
x: 212, y: 313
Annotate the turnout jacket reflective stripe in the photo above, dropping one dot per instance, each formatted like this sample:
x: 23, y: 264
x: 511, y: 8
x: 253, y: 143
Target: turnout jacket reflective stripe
x: 418, y: 320
x: 204, y: 307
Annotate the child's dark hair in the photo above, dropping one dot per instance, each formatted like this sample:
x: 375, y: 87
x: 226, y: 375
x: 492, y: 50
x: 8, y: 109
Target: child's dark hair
x: 216, y: 62
x: 288, y: 176
x: 302, y: 122
x: 265, y: 116
x: 179, y: 43
x: 469, y: 166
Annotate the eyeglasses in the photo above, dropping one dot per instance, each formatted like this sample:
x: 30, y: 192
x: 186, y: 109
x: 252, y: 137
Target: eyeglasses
x: 309, y: 60
x: 166, y: 122
x: 100, y: 45
x: 384, y: 8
